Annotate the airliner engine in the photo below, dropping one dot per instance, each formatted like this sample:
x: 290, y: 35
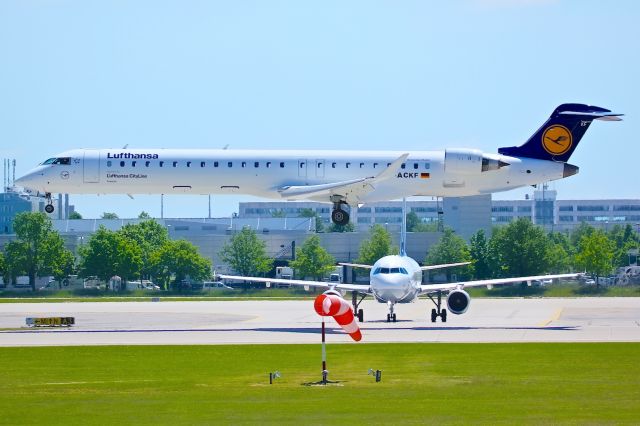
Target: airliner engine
x: 458, y: 302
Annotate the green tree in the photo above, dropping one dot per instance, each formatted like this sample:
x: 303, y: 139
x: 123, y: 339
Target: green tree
x: 378, y: 245
x: 580, y: 231
x: 2, y: 264
x: 426, y: 227
x: 278, y: 213
x: 624, y: 239
x: 560, y: 253
x: 109, y: 215
x: 149, y: 235
x: 595, y: 254
x: 16, y: 260
x: 110, y: 253
x: 479, y: 252
x: 519, y: 249
x: 144, y: 215
x: 38, y: 249
x: 74, y: 215
x: 450, y: 249
x: 179, y: 259
x: 246, y: 254
x: 412, y: 221
x: 349, y: 227
x: 312, y: 260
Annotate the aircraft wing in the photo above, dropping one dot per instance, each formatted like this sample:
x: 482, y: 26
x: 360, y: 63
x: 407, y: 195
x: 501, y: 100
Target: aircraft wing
x: 355, y: 265
x: 428, y: 288
x: 443, y: 265
x: 349, y: 188
x: 301, y: 283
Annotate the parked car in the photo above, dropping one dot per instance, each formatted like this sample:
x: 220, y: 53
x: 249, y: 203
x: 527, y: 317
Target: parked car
x: 215, y: 285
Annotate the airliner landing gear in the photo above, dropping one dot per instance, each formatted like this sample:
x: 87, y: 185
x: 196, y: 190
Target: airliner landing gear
x: 338, y: 215
x: 391, y: 316
x: 49, y: 207
x: 438, y: 311
x: 358, y: 313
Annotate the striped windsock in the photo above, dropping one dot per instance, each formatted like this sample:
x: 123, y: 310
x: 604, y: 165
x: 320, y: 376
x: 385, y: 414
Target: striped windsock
x: 330, y: 304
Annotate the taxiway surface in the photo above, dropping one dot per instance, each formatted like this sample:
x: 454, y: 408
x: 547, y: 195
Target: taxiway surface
x: 269, y: 321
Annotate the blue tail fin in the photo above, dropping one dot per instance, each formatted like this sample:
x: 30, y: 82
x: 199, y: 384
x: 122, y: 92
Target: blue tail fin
x: 559, y: 136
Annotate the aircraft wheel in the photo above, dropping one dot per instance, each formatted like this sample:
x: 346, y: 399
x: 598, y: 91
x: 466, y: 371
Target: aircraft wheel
x: 434, y: 315
x: 443, y: 315
x: 360, y: 315
x: 49, y: 208
x: 393, y: 317
x: 339, y: 217
x: 388, y: 317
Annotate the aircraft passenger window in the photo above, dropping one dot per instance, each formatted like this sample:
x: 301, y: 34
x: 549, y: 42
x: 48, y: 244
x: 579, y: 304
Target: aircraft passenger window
x: 375, y: 165
x: 49, y: 161
x: 202, y: 164
x: 348, y: 164
x: 319, y: 165
x: 268, y: 164
x: 109, y: 163
x: 230, y: 164
x: 175, y: 164
x: 361, y: 165
x: 215, y: 164
x: 188, y: 163
x: 388, y: 164
x: 415, y: 165
x: 427, y: 165
x: 403, y: 166
x: 161, y: 163
x: 133, y: 164
x: 147, y: 163
x: 122, y: 164
x: 302, y: 164
x: 256, y: 164
x: 282, y: 164
x: 333, y: 165
x: 244, y: 164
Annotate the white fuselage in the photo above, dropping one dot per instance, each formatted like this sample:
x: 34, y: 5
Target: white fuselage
x: 264, y: 172
x: 395, y: 279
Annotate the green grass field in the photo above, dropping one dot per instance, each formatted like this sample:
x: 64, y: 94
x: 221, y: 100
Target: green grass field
x: 556, y: 290
x: 421, y: 384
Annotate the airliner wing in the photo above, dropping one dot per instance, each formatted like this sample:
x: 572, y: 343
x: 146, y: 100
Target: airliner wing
x: 301, y: 283
x: 428, y: 288
x: 356, y: 265
x: 349, y: 188
x: 443, y: 265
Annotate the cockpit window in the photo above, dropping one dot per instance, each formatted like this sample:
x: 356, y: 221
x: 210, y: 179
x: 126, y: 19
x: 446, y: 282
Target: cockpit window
x: 60, y: 160
x: 390, y: 271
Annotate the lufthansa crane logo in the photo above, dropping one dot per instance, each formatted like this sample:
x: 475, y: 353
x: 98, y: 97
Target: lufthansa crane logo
x: 557, y: 140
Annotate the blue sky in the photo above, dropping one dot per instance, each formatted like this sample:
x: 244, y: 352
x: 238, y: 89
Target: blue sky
x: 288, y: 74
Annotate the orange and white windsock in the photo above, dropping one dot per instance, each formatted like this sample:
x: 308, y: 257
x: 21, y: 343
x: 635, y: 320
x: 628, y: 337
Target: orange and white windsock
x: 330, y: 304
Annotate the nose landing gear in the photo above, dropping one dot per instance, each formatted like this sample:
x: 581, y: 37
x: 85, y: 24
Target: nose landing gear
x: 391, y: 316
x: 49, y: 207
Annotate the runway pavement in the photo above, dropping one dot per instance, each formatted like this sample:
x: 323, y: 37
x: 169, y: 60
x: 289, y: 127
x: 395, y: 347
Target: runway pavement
x: 268, y: 321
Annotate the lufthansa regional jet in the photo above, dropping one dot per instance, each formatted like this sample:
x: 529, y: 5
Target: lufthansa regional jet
x: 339, y: 177
x: 398, y: 279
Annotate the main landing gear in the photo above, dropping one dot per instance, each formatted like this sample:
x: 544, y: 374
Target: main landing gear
x: 49, y: 207
x: 338, y: 215
x: 438, y: 311
x: 358, y: 313
x: 391, y: 316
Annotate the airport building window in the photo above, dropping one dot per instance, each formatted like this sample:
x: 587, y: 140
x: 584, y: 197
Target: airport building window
x: 594, y: 208
x: 364, y: 210
x: 564, y: 218
x: 122, y: 164
x: 626, y: 208
x: 230, y: 164
x: 566, y: 208
x: 109, y: 163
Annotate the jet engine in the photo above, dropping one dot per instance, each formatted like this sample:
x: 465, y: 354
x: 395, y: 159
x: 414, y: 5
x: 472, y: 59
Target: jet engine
x: 469, y: 161
x: 458, y: 302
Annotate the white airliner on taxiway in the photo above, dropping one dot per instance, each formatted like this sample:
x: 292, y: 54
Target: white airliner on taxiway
x: 398, y: 279
x: 338, y: 177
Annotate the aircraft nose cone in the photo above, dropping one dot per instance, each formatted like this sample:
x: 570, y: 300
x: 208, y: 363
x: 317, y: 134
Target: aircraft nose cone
x: 29, y: 181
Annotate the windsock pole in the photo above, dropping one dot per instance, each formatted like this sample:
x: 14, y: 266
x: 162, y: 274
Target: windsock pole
x: 324, y: 356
